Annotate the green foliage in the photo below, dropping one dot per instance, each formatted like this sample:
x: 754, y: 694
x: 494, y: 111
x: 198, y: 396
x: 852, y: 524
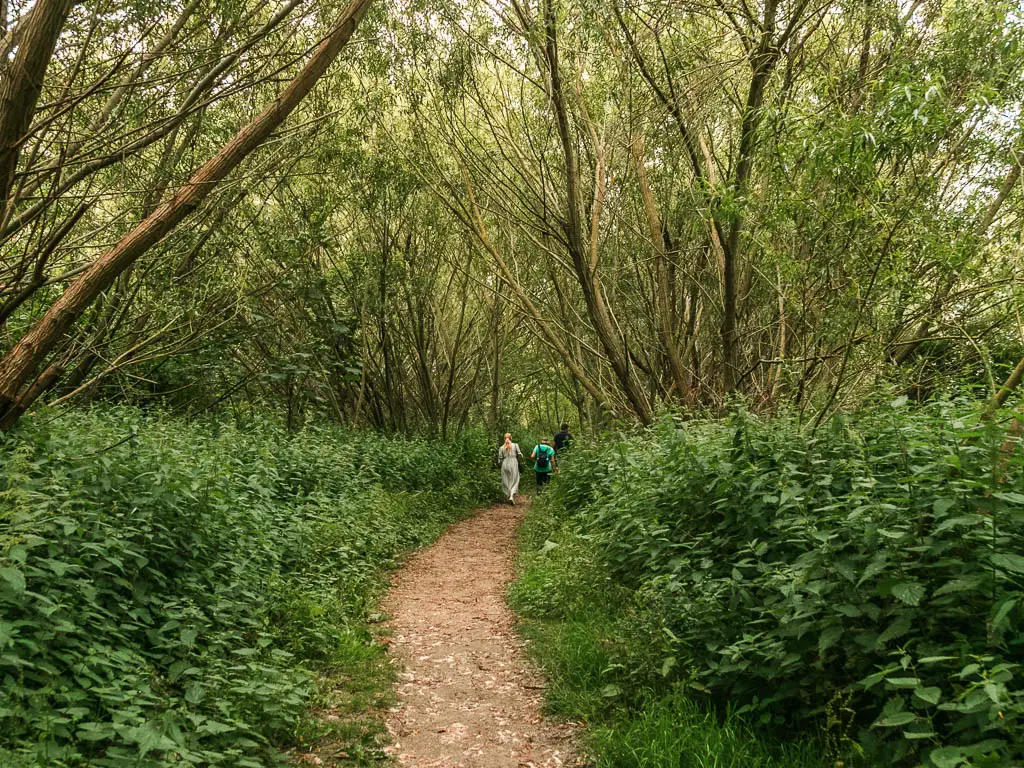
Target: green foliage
x: 676, y: 731
x: 168, y: 598
x: 608, y: 668
x: 864, y: 581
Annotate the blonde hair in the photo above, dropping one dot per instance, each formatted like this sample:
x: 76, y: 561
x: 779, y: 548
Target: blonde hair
x: 508, y: 441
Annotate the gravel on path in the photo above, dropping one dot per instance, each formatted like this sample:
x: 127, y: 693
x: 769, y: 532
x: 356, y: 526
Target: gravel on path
x: 468, y: 698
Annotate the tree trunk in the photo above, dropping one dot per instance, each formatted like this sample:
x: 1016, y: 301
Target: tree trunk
x: 763, y: 62
x: 540, y: 323
x: 1011, y: 383
x: 585, y: 267
x: 22, y: 360
x: 23, y: 83
x: 664, y: 301
x: 496, y: 362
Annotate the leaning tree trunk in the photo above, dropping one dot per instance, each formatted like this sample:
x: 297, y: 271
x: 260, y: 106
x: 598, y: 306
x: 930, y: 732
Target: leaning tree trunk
x: 23, y: 82
x: 22, y: 360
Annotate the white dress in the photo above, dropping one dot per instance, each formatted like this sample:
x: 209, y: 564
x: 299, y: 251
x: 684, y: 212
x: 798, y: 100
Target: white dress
x: 510, y: 469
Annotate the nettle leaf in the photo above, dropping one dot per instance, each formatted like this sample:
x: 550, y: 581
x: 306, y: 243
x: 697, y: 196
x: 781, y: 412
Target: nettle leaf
x: 908, y: 592
x: 968, y: 670
x: 894, y: 720
x: 946, y: 757
x: 935, y: 659
x: 829, y: 637
x: 176, y: 669
x: 876, y: 566
x: 898, y: 628
x: 984, y: 747
x: 929, y: 694
x: 667, y: 664
x: 960, y: 585
x: 903, y: 682
x: 961, y: 521
x: 14, y: 579
x: 215, y: 728
x: 1002, y: 613
x: 874, y: 679
x: 892, y: 534
x: 95, y: 731
x: 1008, y: 562
x: 1010, y: 497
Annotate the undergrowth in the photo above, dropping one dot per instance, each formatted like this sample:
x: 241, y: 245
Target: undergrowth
x: 176, y: 593
x: 748, y: 592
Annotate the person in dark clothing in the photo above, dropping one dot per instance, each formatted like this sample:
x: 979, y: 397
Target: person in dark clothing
x: 563, y: 438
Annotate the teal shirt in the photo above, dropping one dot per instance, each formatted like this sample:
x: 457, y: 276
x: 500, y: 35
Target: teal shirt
x: 548, y: 451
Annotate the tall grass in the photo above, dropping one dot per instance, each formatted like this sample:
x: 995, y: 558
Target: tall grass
x: 170, y: 591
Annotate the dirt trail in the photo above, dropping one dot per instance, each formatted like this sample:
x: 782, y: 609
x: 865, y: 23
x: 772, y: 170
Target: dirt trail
x: 468, y: 699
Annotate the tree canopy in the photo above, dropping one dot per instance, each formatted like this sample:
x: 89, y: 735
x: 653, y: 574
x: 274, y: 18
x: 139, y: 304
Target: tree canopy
x: 508, y: 209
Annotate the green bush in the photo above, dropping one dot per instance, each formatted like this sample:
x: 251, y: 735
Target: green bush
x: 167, y: 598
x: 864, y: 581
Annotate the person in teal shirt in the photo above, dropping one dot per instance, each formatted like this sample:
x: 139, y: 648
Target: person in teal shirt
x: 544, y: 457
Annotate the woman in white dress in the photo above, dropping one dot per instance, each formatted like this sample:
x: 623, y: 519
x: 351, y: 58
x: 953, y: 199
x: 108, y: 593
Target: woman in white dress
x: 509, y: 455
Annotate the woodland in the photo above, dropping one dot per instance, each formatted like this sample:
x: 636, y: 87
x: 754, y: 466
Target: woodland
x: 276, y: 276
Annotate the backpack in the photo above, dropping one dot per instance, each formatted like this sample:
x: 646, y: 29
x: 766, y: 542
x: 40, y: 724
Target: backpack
x: 543, y: 457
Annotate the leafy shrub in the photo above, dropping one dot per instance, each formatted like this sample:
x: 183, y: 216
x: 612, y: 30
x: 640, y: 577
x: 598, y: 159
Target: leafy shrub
x: 166, y: 599
x: 864, y: 580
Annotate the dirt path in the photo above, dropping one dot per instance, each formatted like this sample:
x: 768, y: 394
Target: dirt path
x: 467, y: 697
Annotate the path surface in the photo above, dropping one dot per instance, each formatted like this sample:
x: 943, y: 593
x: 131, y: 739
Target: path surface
x: 468, y: 698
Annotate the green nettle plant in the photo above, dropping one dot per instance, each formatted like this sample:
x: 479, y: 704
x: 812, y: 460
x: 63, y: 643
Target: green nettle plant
x: 864, y: 581
x: 166, y: 598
